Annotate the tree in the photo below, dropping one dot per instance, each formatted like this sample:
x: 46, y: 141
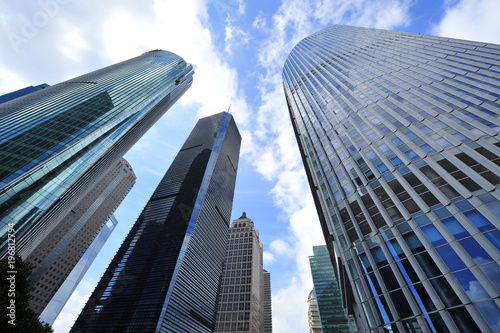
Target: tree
x: 15, y: 295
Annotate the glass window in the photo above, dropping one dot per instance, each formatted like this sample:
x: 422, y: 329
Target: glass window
x: 450, y: 257
x: 491, y: 313
x: 411, y: 154
x: 401, y: 302
x: 396, y: 161
x: 479, y: 220
x: 425, y: 147
x: 433, y: 235
x: 494, y: 238
x: 445, y: 292
x: 413, y: 242
x: 427, y: 264
x: 493, y: 272
x: 382, y: 168
x: 495, y: 208
x: 422, y: 220
x: 455, y: 227
x: 471, y: 286
x: 476, y: 251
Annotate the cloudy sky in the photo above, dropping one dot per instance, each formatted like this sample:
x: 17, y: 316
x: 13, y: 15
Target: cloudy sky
x: 239, y: 47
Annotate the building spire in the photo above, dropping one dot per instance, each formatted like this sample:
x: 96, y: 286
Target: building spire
x: 243, y: 216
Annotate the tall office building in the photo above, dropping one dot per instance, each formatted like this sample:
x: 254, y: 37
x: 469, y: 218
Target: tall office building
x: 165, y: 277
x: 22, y: 92
x: 56, y: 142
x: 243, y: 296
x: 313, y: 317
x: 268, y: 306
x: 327, y: 292
x: 60, y: 251
x: 399, y: 137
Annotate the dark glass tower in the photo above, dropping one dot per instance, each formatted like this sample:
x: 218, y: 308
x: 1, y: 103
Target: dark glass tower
x: 399, y: 137
x: 56, y: 142
x: 165, y: 276
x: 328, y: 295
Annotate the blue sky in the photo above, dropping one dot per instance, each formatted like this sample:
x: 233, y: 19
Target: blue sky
x: 239, y: 47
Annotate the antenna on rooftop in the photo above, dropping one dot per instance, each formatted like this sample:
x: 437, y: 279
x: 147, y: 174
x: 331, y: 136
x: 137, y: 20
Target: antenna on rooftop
x: 229, y: 108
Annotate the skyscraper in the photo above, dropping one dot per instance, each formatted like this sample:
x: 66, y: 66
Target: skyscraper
x: 327, y: 292
x: 399, y: 137
x: 60, y: 251
x: 165, y: 276
x: 313, y: 317
x: 268, y: 306
x: 56, y: 142
x: 243, y: 296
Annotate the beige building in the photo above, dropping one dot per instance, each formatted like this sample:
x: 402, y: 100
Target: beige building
x: 242, y: 304
x: 61, y: 250
x: 313, y: 314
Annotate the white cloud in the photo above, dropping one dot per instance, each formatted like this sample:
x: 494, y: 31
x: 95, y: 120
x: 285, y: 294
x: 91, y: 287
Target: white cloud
x: 260, y: 21
x: 281, y: 248
x: 10, y: 81
x: 268, y: 257
x: 471, y: 19
x: 234, y: 36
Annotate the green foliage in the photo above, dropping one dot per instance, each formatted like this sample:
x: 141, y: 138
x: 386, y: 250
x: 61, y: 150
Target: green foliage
x: 15, y: 298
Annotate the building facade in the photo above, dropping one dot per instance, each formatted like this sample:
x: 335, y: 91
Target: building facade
x: 22, y: 92
x: 243, y: 296
x: 64, y: 248
x: 56, y: 142
x: 399, y: 137
x: 165, y: 277
x: 313, y: 317
x: 268, y: 306
x: 327, y: 292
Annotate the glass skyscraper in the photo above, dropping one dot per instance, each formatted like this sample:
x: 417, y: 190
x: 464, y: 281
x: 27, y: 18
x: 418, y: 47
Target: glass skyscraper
x: 165, y: 276
x: 57, y: 141
x: 399, y: 137
x: 327, y: 292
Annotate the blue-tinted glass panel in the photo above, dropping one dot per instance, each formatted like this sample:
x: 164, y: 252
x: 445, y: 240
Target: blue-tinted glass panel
x: 450, y: 257
x: 491, y: 313
x: 494, y: 238
x: 495, y: 208
x: 455, y: 228
x: 493, y: 272
x: 476, y: 251
x: 382, y: 168
x: 433, y: 235
x: 479, y: 220
x: 471, y: 286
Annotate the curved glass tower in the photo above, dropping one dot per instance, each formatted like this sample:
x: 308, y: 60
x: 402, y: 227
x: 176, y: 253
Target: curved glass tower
x: 399, y: 137
x: 56, y: 142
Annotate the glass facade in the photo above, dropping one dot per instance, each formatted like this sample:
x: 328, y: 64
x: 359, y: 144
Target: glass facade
x: 327, y: 292
x: 55, y: 142
x: 399, y: 137
x: 165, y: 277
